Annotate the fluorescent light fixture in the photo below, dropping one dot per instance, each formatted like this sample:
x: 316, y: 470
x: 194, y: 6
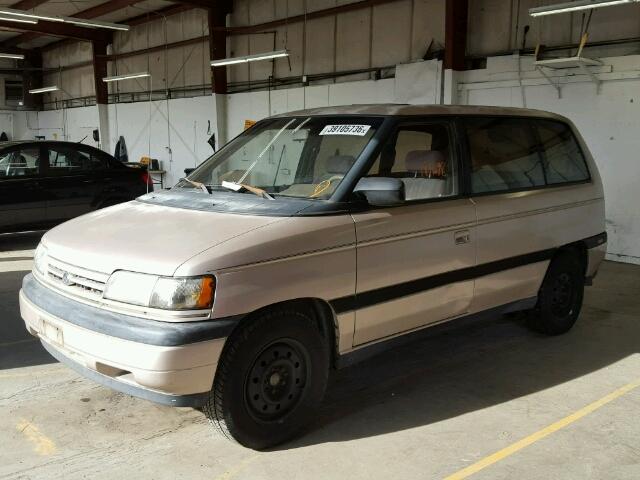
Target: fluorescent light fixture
x: 117, y: 78
x: 15, y: 56
x: 249, y: 58
x: 13, y: 15
x: 52, y: 88
x: 23, y: 14
x: 96, y: 23
x: 31, y: 21
x: 575, y: 6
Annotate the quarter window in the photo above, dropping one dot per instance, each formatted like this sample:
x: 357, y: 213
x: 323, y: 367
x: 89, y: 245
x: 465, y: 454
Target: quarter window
x: 563, y: 158
x: 65, y: 160
x: 504, y: 155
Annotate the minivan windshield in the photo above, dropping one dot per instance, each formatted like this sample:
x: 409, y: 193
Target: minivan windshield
x: 304, y: 157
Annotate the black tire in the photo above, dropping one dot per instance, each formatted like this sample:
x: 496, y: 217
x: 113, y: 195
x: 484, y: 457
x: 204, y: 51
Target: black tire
x: 560, y: 297
x: 271, y: 378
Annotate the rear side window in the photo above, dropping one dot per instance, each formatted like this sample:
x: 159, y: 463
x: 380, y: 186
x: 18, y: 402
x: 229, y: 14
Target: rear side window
x: 90, y: 161
x: 504, y: 154
x: 65, y: 160
x: 563, y: 158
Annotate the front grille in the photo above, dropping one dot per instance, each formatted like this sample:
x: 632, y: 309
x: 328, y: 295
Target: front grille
x: 76, y: 280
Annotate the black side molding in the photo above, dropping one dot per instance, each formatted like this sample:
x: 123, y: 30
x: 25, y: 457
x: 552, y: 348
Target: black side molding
x: 393, y: 292
x: 366, y: 351
x: 193, y: 400
x: 135, y: 329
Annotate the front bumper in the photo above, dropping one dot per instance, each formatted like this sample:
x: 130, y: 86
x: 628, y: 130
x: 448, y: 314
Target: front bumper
x: 165, y: 362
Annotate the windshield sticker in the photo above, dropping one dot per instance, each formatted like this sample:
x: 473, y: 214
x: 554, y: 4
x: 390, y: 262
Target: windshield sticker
x: 359, y: 130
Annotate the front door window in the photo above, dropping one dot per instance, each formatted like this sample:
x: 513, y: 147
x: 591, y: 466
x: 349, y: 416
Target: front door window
x: 422, y: 157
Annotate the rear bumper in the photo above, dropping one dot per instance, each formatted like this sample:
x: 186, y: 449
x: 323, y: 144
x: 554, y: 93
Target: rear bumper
x: 596, y: 251
x: 153, y: 367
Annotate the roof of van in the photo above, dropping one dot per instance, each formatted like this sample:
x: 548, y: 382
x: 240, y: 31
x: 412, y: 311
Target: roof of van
x: 406, y: 109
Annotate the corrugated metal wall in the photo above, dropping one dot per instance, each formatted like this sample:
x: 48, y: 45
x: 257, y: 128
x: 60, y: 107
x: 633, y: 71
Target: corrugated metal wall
x: 383, y: 35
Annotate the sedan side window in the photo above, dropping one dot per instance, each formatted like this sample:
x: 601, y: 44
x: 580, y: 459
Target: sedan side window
x: 422, y: 157
x: 20, y: 163
x: 65, y: 160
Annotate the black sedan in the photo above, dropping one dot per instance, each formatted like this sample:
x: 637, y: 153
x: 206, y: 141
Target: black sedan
x: 43, y: 183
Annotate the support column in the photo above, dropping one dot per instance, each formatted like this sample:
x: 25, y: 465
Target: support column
x: 102, y: 93
x: 32, y: 78
x: 456, y: 14
x: 217, y: 50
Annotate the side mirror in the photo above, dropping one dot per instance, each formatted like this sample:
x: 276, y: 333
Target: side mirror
x: 381, y: 191
x: 188, y: 171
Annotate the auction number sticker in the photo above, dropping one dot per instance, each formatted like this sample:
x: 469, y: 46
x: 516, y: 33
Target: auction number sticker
x: 359, y: 130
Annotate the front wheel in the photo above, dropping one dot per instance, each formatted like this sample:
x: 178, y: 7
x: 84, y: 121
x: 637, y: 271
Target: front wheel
x: 270, y: 379
x: 560, y: 297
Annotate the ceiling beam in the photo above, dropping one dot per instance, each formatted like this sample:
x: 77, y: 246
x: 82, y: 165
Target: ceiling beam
x: 208, y: 4
x: 327, y: 12
x: 54, y: 29
x: 155, y: 14
x: 99, y: 50
x: 32, y: 78
x: 93, y: 12
x: 27, y: 4
x: 455, y: 35
x: 22, y: 5
x: 217, y: 49
x: 137, y: 20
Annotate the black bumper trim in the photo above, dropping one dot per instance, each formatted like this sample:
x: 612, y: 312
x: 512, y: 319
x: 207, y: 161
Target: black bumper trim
x: 135, y: 329
x: 596, y: 240
x: 192, y: 400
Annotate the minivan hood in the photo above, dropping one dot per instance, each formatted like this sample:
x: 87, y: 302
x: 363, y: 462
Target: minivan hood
x: 145, y: 238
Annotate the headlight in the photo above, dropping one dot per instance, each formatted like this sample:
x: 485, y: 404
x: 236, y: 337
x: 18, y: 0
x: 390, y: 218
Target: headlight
x: 167, y: 293
x: 40, y: 259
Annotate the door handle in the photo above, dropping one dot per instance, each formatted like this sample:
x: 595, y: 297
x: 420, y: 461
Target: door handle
x: 461, y: 237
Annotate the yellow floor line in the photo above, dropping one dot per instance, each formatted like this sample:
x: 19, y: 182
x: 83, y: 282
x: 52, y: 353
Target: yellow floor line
x: 236, y: 469
x: 540, y: 434
x: 42, y: 444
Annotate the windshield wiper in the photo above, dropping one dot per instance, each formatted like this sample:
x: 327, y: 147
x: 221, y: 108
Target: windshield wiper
x: 237, y: 187
x: 199, y: 185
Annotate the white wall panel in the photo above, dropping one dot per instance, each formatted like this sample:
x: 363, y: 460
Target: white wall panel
x: 175, y: 133
x: 71, y: 124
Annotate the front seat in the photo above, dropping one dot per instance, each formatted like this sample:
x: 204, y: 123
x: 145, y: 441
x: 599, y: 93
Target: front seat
x: 338, y: 166
x: 425, y: 176
x: 19, y: 168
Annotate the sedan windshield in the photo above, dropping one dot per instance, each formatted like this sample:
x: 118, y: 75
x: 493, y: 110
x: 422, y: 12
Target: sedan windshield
x: 305, y: 157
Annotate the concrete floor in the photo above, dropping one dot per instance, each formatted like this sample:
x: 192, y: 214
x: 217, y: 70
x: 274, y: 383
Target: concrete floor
x: 426, y: 410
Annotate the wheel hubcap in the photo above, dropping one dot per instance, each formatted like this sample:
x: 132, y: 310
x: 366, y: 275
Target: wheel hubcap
x: 276, y: 380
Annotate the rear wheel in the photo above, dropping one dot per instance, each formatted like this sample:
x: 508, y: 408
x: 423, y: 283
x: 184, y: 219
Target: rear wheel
x: 560, y: 297
x: 271, y: 378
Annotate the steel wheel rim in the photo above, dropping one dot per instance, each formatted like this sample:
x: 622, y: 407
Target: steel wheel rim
x: 277, y: 380
x: 562, y: 294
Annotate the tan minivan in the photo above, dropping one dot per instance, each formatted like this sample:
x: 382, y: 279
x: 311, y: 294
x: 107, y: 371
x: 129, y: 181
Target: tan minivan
x: 312, y: 240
